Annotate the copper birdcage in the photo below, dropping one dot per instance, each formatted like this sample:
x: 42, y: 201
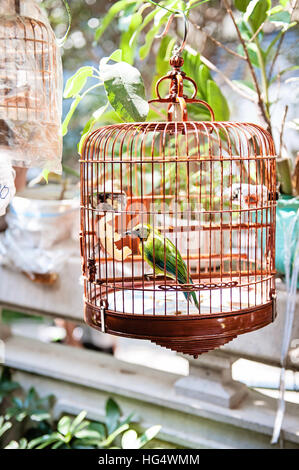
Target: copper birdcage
x: 162, y: 198
x: 30, y: 87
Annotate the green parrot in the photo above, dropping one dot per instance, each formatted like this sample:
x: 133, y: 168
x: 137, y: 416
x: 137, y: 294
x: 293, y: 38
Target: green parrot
x: 174, y: 260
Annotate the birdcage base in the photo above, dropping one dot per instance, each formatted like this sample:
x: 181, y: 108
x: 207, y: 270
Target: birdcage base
x: 188, y: 334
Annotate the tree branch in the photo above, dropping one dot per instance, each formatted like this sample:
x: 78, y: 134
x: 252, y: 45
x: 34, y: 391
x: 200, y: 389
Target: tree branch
x: 276, y: 56
x: 254, y: 78
x: 282, y: 129
x: 219, y: 44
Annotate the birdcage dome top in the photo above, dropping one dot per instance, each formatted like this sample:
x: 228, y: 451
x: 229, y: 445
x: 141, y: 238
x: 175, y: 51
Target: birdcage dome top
x: 213, y: 139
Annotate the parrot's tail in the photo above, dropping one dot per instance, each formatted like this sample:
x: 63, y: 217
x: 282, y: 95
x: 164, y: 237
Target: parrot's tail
x: 191, y: 296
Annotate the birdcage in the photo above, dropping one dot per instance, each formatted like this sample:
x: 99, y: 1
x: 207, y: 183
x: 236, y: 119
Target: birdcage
x: 30, y: 87
x: 178, y: 227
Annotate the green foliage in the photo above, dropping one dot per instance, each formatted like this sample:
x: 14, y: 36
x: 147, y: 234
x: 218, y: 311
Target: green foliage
x: 125, y: 91
x: 32, y: 407
x: 7, y: 386
x: 130, y: 439
x: 79, y: 433
x: 75, y: 84
x: 22, y: 444
x: 242, y: 4
x: 217, y: 101
x: 208, y: 89
x: 122, y: 82
x: 116, y: 8
x: 256, y: 13
x: 68, y: 433
x: 134, y: 16
x: 4, y: 425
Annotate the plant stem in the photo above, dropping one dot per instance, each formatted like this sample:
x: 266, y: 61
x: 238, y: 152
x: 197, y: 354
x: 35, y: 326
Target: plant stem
x: 265, y: 84
x: 282, y: 131
x: 218, y: 43
x: 91, y: 88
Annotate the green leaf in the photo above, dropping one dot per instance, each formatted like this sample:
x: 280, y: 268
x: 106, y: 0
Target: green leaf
x: 217, y: 101
x: 107, y: 442
x: 45, y: 174
x: 54, y: 437
x: 130, y: 440
x: 116, y: 55
x: 125, y: 91
x: 40, y: 415
x: 148, y: 435
x: 64, y: 425
x: 146, y: 20
x: 244, y: 29
x: 69, y: 115
x: 31, y: 397
x: 128, y: 53
x: 192, y: 63
x: 128, y: 419
x: 98, y: 427
x: 167, y: 44
x: 77, y: 421
x: 113, y: 414
x: 113, y: 11
x: 20, y: 416
x: 56, y: 445
x: 281, y: 17
x: 241, y: 5
x: 152, y: 33
x: 4, y: 426
x: 164, y: 53
x: 46, y: 439
x: 75, y: 83
x: 88, y: 434
x: 204, y: 75
x: 125, y: 17
x: 252, y: 52
x: 256, y: 13
x: 22, y: 444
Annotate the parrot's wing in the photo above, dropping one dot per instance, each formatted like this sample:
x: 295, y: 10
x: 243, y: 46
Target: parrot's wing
x: 174, y: 262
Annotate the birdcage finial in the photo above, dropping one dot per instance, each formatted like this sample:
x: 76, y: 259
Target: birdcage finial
x: 177, y: 77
